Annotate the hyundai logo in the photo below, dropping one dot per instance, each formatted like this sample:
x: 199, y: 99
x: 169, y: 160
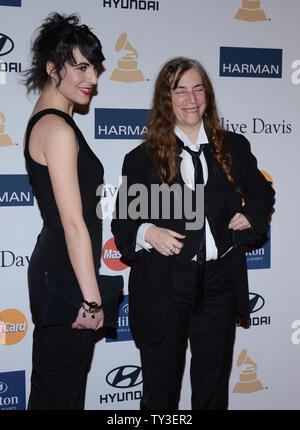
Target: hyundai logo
x: 6, y: 44
x: 125, y: 377
x: 256, y: 302
x: 3, y: 387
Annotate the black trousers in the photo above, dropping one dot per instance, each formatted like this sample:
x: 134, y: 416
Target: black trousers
x: 211, y: 335
x: 61, y: 359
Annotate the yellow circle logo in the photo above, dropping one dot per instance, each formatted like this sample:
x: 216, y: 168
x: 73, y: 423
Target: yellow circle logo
x: 13, y: 327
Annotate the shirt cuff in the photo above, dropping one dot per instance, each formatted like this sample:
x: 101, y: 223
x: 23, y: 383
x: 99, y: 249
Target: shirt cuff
x: 140, y: 238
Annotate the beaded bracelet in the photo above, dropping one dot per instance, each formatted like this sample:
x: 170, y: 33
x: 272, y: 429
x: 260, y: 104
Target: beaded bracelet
x: 93, y: 309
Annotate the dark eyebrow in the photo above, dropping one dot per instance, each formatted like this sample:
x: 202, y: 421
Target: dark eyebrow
x: 81, y: 64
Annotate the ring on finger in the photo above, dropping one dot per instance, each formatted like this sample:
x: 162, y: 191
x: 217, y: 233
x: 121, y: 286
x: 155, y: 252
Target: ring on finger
x: 173, y: 250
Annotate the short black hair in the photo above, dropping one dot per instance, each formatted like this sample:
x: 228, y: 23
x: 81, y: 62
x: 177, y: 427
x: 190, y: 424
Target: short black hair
x: 57, y: 37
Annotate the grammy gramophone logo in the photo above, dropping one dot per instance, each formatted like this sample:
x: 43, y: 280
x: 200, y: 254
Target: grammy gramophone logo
x: 248, y: 382
x: 127, y: 70
x: 5, y: 140
x: 251, y: 11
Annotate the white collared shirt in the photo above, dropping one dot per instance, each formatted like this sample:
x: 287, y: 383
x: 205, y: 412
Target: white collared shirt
x: 187, y: 173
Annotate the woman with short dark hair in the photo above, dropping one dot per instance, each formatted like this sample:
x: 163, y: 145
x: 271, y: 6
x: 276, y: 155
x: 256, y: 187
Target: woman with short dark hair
x: 65, y: 174
x: 188, y: 278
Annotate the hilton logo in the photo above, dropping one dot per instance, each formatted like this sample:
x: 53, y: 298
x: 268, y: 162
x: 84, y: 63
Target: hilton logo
x: 12, y: 390
x: 260, y: 258
x: 251, y: 11
x: 123, y: 332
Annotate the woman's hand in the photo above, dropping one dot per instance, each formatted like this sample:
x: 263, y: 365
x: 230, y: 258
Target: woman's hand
x: 165, y: 241
x: 239, y: 222
x: 87, y: 322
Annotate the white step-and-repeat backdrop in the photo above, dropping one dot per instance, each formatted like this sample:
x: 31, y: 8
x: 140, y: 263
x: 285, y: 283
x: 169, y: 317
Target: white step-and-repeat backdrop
x: 251, y: 52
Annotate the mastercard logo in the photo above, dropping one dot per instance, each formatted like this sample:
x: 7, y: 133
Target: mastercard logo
x: 112, y: 256
x: 13, y: 327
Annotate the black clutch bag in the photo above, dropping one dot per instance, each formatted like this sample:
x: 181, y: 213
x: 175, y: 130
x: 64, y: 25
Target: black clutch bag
x: 62, y: 298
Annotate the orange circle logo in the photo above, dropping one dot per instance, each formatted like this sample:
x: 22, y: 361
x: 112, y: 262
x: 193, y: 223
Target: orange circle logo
x: 111, y: 256
x: 268, y: 177
x: 13, y: 327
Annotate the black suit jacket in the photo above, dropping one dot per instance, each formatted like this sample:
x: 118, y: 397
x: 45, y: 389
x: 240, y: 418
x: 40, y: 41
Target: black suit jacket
x: 149, y: 286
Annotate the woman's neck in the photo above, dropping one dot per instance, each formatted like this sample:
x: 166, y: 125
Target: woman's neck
x: 50, y: 98
x: 190, y: 132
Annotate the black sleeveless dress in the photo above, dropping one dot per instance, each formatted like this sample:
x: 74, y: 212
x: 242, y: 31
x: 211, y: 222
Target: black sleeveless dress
x: 50, y: 252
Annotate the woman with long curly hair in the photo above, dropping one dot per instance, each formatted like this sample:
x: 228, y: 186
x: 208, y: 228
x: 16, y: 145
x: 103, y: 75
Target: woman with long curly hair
x: 188, y: 280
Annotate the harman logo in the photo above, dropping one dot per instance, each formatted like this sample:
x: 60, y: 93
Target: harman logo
x: 248, y: 382
x: 120, y: 123
x: 123, y: 331
x: 17, y: 3
x: 132, y: 4
x: 12, y: 390
x: 15, y: 190
x: 125, y: 376
x: 250, y: 62
x: 251, y: 11
x: 6, y: 44
x: 127, y: 70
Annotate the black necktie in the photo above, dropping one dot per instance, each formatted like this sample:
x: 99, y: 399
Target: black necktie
x: 198, y: 174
